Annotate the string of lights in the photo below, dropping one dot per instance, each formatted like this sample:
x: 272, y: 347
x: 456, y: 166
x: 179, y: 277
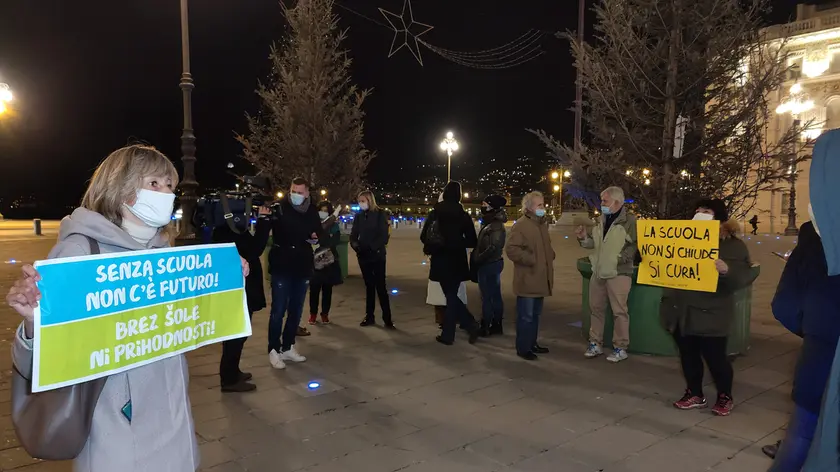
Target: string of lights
x: 407, y: 32
x: 492, y: 63
x: 529, y: 40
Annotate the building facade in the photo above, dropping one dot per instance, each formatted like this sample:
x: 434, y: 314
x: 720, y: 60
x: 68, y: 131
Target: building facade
x: 810, y: 94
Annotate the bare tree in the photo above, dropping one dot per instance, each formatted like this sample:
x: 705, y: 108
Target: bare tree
x: 312, y: 122
x: 677, y: 105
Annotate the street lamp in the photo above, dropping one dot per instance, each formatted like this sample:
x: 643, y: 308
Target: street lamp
x: 466, y: 195
x: 450, y: 145
x: 555, y: 175
x: 279, y: 194
x: 188, y: 184
x: 323, y: 193
x: 795, y: 103
x: 5, y: 97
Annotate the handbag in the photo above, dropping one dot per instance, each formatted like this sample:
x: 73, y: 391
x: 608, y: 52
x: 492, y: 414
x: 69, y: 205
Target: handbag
x: 54, y: 425
x: 324, y: 257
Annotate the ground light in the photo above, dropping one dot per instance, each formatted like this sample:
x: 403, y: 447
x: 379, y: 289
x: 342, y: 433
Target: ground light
x: 313, y: 385
x: 394, y: 291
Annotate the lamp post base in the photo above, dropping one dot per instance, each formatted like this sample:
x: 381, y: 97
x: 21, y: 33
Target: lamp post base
x: 791, y: 231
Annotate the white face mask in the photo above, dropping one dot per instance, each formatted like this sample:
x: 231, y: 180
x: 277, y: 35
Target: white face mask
x: 153, y: 208
x: 324, y: 215
x: 703, y: 217
x: 364, y: 206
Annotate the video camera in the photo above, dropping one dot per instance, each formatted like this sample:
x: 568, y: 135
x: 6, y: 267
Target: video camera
x: 236, y: 208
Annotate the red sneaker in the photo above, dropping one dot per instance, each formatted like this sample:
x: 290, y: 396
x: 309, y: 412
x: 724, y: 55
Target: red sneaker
x: 313, y: 319
x: 690, y: 401
x: 724, y: 405
x: 325, y: 318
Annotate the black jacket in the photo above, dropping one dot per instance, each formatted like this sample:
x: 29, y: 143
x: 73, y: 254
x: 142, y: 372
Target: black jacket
x: 291, y: 254
x: 806, y: 304
x: 491, y: 239
x: 331, y: 274
x: 369, y: 235
x: 250, y: 247
x: 449, y: 264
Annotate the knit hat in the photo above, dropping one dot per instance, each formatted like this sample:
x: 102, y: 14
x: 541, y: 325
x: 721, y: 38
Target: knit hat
x: 452, y: 192
x: 495, y: 201
x: 717, y: 206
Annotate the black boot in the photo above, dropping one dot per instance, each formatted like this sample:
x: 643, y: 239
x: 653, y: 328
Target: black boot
x: 496, y: 329
x: 484, y: 330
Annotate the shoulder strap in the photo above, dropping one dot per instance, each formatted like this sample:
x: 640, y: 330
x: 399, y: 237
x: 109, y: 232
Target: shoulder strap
x: 227, y: 213
x: 94, y: 245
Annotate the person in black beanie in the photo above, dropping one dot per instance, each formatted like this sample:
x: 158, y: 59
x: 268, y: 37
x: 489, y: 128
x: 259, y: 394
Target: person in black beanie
x: 446, y: 237
x: 487, y: 262
x: 700, y: 321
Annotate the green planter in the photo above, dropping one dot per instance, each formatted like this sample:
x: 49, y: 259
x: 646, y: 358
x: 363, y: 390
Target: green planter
x: 342, y: 249
x: 646, y: 333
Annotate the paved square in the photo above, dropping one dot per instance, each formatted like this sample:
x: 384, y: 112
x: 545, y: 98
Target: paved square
x: 394, y: 401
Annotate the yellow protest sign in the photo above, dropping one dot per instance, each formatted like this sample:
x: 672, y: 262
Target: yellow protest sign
x: 679, y: 254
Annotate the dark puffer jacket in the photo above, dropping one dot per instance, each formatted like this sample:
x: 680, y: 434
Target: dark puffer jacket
x: 449, y: 264
x: 369, y: 235
x: 292, y: 255
x: 491, y: 239
x: 806, y: 304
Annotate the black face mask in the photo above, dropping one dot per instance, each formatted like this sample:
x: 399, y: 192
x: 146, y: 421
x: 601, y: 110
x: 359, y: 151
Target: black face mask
x: 486, y: 210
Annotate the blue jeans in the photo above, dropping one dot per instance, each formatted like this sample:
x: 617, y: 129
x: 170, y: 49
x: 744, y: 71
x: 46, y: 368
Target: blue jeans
x: 490, y: 285
x: 528, y: 312
x: 287, y: 296
x: 797, y: 442
x: 456, y: 312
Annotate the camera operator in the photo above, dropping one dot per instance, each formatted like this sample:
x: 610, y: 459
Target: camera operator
x: 296, y: 228
x: 250, y: 247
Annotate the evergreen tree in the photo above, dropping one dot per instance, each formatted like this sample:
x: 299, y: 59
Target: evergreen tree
x: 311, y: 123
x: 676, y: 105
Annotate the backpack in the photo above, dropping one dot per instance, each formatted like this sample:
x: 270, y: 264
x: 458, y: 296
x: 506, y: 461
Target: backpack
x: 433, y: 238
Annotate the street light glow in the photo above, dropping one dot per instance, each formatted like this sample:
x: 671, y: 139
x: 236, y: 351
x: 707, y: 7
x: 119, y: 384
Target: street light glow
x: 279, y: 194
x: 567, y: 174
x: 449, y: 145
x: 555, y: 175
x: 556, y: 188
x: 323, y: 192
x: 449, y: 135
x: 466, y: 195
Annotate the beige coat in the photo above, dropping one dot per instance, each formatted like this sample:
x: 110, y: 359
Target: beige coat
x: 529, y: 248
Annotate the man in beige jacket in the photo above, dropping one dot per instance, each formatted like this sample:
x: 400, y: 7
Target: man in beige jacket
x: 614, y: 242
x: 529, y: 248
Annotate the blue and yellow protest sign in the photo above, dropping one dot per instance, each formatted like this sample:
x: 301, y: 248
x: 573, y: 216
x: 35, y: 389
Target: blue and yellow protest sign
x: 679, y: 254
x: 104, y: 314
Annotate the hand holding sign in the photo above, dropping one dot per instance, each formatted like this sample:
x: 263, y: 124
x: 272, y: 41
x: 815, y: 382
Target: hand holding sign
x: 680, y: 254
x: 721, y: 267
x: 24, y: 295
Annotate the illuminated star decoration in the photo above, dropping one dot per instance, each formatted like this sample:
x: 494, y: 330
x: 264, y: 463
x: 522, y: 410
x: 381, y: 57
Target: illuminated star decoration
x: 406, y: 28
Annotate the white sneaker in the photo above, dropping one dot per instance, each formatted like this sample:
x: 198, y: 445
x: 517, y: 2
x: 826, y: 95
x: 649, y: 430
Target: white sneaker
x: 617, y: 355
x: 594, y: 350
x: 276, y: 360
x: 292, y: 355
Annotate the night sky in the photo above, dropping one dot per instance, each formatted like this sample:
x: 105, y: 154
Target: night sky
x: 92, y: 75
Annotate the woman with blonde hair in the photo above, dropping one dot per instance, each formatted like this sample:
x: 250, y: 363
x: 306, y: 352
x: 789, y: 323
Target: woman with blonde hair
x: 368, y: 238
x: 138, y: 420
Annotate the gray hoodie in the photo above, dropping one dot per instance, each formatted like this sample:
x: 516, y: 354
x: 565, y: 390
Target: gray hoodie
x: 160, y: 436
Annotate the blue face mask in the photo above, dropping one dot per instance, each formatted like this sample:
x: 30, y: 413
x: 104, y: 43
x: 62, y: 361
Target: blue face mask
x: 606, y: 210
x: 539, y: 212
x: 297, y: 199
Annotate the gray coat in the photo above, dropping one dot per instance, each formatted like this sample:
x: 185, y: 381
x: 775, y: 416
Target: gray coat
x: 160, y: 436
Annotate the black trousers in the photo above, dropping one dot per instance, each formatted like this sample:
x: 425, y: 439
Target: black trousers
x: 693, y: 351
x: 374, y: 274
x: 231, y: 354
x: 325, y: 292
